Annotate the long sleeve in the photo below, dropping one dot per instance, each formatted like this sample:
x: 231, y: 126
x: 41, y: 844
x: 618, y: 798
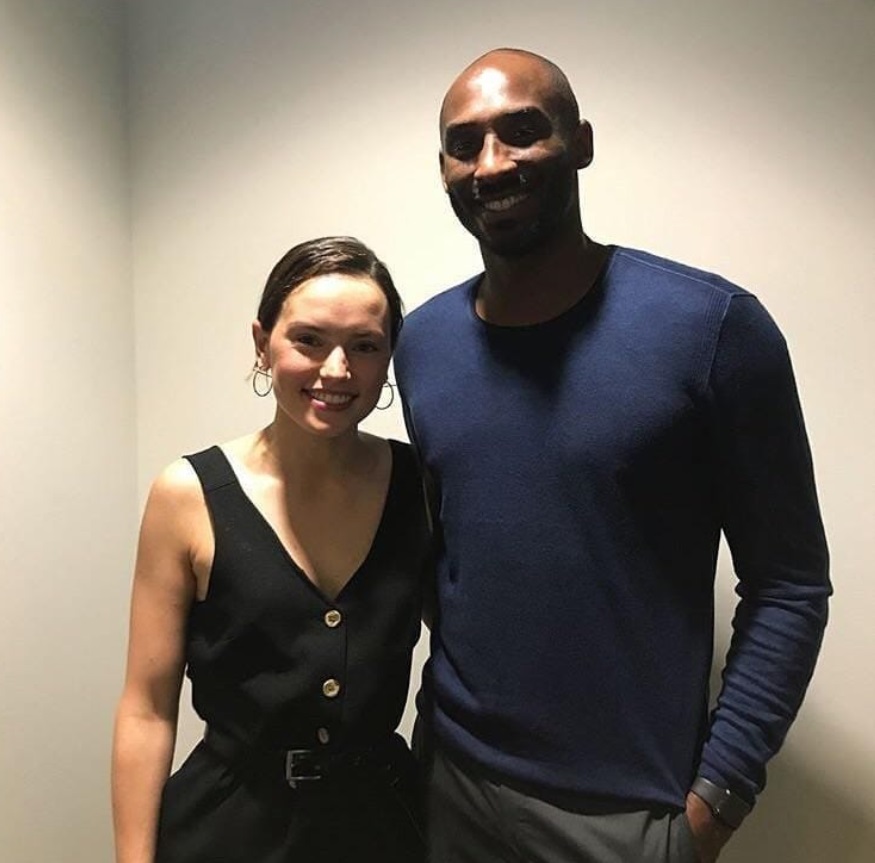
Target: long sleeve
x: 772, y: 522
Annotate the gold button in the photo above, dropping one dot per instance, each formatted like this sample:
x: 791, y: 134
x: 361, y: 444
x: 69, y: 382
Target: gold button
x: 333, y: 618
x: 322, y: 735
x: 331, y: 688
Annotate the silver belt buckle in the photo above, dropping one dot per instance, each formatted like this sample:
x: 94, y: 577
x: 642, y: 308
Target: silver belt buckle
x: 301, y: 766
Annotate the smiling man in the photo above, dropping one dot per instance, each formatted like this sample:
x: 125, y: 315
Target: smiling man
x: 591, y: 418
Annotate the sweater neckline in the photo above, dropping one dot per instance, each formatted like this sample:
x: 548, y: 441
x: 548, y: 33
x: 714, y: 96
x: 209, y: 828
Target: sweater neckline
x: 571, y: 314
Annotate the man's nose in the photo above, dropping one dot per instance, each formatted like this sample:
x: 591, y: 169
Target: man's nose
x: 336, y: 364
x: 494, y: 159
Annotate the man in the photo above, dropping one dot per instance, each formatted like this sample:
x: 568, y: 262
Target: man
x: 591, y: 418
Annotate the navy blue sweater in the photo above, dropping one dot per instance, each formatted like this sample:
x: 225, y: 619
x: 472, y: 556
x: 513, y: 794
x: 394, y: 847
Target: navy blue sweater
x: 585, y: 468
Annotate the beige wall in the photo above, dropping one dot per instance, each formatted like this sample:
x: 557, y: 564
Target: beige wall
x: 68, y: 503
x: 734, y: 136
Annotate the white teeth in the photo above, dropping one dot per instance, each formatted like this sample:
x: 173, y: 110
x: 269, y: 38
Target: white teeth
x: 331, y: 398
x: 501, y: 204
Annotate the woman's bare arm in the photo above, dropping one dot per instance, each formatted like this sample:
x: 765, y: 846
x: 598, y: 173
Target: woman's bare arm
x: 146, y: 717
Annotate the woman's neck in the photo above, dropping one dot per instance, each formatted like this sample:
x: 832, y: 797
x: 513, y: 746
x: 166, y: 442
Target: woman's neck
x: 305, y: 459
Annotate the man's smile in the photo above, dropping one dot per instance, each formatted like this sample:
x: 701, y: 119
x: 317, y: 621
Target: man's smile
x: 499, y: 205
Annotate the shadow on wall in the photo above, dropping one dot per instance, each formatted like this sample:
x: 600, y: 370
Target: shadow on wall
x: 799, y: 819
x: 801, y: 816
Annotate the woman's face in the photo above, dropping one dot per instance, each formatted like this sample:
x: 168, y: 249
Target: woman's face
x: 328, y: 352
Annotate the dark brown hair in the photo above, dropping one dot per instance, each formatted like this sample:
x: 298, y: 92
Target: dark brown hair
x: 322, y: 257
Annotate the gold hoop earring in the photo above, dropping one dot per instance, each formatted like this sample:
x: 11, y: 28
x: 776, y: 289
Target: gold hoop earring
x: 262, y: 382
x: 391, y: 401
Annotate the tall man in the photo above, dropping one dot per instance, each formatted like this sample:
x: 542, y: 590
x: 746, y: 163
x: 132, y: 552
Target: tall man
x: 591, y: 418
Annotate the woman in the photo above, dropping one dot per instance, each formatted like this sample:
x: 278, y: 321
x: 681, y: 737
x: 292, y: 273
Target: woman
x: 282, y: 570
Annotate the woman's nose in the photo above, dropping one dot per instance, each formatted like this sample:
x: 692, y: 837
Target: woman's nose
x: 336, y: 365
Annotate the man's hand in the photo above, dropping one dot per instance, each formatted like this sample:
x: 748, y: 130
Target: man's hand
x: 709, y: 834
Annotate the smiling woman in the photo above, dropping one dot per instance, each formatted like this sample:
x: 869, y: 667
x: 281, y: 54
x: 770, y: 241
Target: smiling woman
x: 328, y: 352
x: 283, y: 572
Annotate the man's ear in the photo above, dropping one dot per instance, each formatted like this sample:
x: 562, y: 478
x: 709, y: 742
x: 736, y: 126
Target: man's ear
x: 443, y: 176
x: 260, y: 339
x: 582, y: 144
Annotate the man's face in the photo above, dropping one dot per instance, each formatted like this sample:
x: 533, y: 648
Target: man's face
x: 509, y: 169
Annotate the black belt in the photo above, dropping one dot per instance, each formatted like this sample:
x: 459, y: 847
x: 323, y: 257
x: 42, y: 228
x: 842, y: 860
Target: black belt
x: 303, y: 766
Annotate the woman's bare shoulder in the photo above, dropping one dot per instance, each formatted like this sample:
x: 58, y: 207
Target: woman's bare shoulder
x: 176, y: 483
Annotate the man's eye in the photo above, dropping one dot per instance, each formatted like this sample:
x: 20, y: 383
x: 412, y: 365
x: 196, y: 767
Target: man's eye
x: 463, y: 148
x: 523, y: 129
x: 523, y: 136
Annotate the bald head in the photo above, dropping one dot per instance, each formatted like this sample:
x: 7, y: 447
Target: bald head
x: 512, y: 143
x: 517, y: 65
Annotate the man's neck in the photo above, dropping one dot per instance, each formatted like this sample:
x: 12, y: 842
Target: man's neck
x: 539, y: 286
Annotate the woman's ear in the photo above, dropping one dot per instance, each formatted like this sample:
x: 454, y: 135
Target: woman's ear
x: 260, y: 339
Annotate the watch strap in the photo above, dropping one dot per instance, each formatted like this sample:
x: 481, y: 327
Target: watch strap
x: 725, y: 805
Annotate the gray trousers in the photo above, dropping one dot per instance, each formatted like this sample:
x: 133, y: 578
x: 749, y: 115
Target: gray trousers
x: 472, y: 819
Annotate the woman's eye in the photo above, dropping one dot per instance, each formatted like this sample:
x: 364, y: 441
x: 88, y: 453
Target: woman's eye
x: 308, y: 340
x: 367, y: 347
